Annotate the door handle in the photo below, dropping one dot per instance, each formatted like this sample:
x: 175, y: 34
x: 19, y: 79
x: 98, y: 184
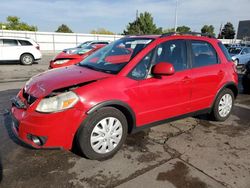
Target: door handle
x: 186, y: 80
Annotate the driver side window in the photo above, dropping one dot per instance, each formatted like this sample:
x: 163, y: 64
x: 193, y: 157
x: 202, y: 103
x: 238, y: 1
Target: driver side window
x: 141, y: 70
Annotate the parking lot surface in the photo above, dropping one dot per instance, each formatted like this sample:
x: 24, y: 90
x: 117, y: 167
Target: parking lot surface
x: 191, y: 152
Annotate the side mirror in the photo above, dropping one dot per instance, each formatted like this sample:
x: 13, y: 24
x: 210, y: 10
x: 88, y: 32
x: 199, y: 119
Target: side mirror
x: 163, y: 69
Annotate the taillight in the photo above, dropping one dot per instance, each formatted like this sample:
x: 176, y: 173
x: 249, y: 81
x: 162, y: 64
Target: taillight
x: 234, y: 67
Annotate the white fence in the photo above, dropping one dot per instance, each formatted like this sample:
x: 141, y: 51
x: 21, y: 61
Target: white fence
x: 53, y: 41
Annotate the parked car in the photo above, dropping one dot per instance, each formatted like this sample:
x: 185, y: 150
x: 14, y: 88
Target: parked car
x: 64, y: 59
x: 24, y: 50
x: 240, y: 55
x: 131, y: 84
x: 82, y: 45
x: 246, y: 79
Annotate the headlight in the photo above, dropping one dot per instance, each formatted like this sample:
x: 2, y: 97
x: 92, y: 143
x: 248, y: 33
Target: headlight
x: 57, y: 103
x: 61, y: 61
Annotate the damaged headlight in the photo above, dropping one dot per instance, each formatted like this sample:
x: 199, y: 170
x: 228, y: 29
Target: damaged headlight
x: 57, y: 103
x: 61, y: 61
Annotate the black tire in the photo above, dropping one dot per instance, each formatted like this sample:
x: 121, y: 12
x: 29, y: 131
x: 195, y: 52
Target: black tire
x: 27, y: 59
x: 84, y: 133
x: 215, y: 110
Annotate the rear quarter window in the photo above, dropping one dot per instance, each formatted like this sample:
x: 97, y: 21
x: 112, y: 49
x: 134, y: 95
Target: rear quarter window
x: 25, y: 43
x: 225, y: 51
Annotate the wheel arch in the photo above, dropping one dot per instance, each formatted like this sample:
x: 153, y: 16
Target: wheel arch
x: 26, y: 53
x: 122, y: 106
x: 229, y: 85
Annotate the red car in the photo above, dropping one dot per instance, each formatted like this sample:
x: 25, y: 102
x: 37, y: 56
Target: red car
x: 134, y: 83
x: 64, y: 59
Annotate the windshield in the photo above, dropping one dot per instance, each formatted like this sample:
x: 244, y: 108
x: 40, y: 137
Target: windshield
x: 113, y: 57
x: 234, y: 50
x: 83, y: 50
x: 84, y: 44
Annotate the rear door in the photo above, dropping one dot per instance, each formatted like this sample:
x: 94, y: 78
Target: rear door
x: 207, y: 73
x: 11, y: 49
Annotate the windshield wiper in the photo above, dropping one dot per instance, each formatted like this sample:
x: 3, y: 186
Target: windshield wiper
x: 96, y: 69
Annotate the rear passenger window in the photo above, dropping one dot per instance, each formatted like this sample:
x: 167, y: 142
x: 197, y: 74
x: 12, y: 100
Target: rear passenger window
x: 9, y: 42
x: 203, y: 54
x: 25, y: 43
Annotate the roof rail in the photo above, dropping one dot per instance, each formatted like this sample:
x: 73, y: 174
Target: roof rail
x: 188, y: 33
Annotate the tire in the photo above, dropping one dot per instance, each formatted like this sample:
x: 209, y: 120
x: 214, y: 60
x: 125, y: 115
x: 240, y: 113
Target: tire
x: 98, y: 143
x: 224, y: 101
x: 27, y: 59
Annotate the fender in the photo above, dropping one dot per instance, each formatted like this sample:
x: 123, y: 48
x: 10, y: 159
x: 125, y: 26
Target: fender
x: 122, y: 106
x: 229, y: 85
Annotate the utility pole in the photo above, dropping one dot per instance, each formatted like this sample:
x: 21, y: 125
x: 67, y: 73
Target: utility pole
x: 176, y: 19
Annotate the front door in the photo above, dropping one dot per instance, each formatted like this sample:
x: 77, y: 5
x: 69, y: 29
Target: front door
x: 166, y: 96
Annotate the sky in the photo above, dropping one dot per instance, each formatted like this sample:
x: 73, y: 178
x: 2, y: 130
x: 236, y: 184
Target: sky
x: 83, y: 16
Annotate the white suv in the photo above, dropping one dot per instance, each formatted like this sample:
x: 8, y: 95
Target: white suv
x: 24, y: 50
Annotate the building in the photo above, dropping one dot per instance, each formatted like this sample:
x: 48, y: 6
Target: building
x: 244, y: 30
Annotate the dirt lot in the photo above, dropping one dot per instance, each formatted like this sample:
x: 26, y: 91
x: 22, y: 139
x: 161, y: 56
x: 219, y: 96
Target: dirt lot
x: 193, y: 152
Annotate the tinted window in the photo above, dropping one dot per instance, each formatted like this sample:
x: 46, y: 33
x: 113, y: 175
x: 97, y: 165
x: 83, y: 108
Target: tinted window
x: 25, y: 43
x: 141, y: 70
x: 203, y: 54
x: 9, y: 42
x: 99, y: 43
x: 225, y: 51
x: 1, y: 42
x: 173, y: 52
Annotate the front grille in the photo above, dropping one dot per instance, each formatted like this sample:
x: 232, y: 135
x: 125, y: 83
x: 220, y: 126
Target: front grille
x: 29, y: 98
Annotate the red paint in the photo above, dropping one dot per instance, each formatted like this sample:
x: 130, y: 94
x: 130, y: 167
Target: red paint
x: 152, y: 99
x: 73, y: 58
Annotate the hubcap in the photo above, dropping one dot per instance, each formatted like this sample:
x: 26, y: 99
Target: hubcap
x: 27, y: 59
x: 225, y: 105
x: 106, y: 135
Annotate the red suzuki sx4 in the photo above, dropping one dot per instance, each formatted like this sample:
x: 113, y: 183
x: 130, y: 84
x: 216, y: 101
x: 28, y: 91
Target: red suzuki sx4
x: 133, y: 83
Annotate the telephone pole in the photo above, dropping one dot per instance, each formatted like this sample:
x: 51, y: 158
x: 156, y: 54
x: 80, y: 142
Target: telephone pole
x: 176, y: 19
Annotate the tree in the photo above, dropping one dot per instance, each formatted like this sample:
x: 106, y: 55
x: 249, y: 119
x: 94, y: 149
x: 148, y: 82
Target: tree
x: 64, y: 29
x: 144, y: 24
x: 13, y: 23
x: 208, y: 29
x: 102, y: 31
x: 228, y: 31
x: 183, y: 29
x: 169, y: 30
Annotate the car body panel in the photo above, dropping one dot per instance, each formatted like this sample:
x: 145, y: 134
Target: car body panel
x: 152, y: 99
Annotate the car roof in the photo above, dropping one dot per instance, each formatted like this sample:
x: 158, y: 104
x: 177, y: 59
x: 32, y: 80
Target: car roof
x: 190, y: 35
x: 15, y: 38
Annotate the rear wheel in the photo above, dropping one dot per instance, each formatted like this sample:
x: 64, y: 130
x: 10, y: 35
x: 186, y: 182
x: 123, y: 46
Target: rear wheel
x: 102, y: 134
x: 27, y: 59
x: 223, y: 105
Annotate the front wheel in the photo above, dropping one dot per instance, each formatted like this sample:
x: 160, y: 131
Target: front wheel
x: 223, y: 105
x: 102, y: 134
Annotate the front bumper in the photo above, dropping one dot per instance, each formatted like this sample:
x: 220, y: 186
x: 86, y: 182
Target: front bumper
x: 57, y: 129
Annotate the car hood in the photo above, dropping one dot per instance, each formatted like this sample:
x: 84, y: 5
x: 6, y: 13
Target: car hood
x: 63, y: 55
x: 43, y: 84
